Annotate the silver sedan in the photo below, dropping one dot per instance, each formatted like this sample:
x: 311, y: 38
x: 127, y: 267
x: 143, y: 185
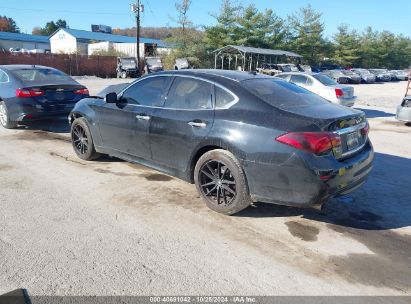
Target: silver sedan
x: 323, y: 86
x: 404, y: 110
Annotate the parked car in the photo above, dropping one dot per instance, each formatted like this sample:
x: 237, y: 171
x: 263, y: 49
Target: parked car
x: 327, y: 67
x: 337, y: 75
x: 400, y: 74
x: 269, y: 69
x: 127, y: 67
x: 366, y: 76
x: 240, y: 137
x: 181, y: 64
x: 323, y: 86
x: 29, y: 92
x: 353, y: 77
x: 153, y: 64
x: 381, y: 75
x: 287, y: 67
x: 404, y: 110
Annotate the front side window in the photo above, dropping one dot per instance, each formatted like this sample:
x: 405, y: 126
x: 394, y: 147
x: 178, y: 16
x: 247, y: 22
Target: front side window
x: 189, y: 94
x: 146, y: 92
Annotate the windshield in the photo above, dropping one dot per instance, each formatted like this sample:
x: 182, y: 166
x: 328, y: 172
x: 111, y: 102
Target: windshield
x: 282, y: 94
x: 128, y: 61
x: 154, y: 61
x: 325, y: 80
x: 37, y: 74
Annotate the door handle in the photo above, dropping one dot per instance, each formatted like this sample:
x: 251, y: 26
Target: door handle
x: 142, y: 117
x: 197, y: 124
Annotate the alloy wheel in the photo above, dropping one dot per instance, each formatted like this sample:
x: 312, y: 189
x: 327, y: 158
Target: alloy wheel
x: 217, y: 183
x: 80, y: 139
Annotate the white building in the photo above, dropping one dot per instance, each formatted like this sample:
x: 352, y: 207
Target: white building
x: 68, y: 41
x: 23, y: 41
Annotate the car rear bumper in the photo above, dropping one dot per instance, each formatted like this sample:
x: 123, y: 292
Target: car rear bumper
x: 36, y: 111
x: 403, y: 114
x: 307, y: 182
x: 348, y: 102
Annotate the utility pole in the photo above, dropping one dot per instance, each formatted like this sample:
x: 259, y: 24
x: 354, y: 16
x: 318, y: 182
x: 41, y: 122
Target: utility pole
x: 137, y: 8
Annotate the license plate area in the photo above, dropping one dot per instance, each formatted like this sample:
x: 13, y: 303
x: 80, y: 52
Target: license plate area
x: 353, y: 140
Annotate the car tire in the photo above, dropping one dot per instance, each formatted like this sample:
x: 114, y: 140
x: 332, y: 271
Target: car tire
x: 221, y: 182
x: 82, y: 140
x: 5, y: 120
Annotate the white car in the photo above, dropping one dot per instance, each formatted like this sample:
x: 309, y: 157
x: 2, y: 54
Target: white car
x: 323, y: 86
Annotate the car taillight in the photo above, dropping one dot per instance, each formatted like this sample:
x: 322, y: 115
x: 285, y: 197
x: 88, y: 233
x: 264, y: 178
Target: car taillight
x: 83, y: 91
x: 318, y: 143
x: 365, y: 130
x: 339, y: 93
x: 24, y: 93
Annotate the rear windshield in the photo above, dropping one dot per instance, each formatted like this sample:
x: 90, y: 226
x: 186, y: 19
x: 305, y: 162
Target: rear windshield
x: 35, y: 75
x: 282, y: 94
x: 325, y: 80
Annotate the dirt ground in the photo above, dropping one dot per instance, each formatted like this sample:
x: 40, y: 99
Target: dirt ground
x: 70, y: 227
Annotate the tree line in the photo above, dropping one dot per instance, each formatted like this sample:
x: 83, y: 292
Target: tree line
x: 302, y: 32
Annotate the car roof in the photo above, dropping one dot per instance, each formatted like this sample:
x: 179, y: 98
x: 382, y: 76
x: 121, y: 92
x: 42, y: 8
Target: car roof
x: 13, y: 67
x: 237, y: 76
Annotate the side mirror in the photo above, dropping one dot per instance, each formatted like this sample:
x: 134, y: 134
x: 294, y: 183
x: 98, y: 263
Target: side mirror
x: 111, y: 98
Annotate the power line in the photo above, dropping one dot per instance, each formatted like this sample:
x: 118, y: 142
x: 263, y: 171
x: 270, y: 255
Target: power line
x: 61, y: 11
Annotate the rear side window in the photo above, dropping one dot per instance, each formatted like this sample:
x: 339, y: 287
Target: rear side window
x: 282, y: 94
x: 189, y: 94
x: 147, y: 92
x: 325, y: 80
x: 33, y: 75
x: 298, y: 79
x: 223, y: 98
x: 3, y: 77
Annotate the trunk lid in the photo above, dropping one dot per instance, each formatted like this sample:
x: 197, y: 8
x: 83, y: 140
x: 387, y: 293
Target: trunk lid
x: 59, y: 93
x: 346, y: 122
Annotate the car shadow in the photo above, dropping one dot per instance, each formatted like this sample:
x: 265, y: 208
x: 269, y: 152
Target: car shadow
x: 383, y: 202
x: 54, y: 125
x: 375, y: 113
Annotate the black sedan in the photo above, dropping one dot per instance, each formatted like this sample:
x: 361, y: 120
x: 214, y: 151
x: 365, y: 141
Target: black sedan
x: 29, y: 92
x: 238, y: 136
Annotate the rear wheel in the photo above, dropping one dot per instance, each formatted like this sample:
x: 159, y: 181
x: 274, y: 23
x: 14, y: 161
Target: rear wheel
x: 82, y: 141
x: 5, y: 117
x: 221, y: 182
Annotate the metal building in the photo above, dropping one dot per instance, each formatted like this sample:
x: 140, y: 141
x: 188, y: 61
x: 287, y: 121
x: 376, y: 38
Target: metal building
x: 234, y: 57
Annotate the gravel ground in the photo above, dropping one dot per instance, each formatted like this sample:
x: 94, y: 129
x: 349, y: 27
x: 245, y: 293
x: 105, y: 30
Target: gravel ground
x: 69, y: 227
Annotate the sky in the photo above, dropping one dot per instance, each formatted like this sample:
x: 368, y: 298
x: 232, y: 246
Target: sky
x: 394, y: 15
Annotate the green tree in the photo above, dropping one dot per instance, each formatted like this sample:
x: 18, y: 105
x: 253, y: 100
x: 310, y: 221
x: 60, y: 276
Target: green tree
x: 50, y: 28
x: 346, y: 46
x: 259, y: 29
x: 8, y: 25
x: 305, y: 35
x: 223, y: 33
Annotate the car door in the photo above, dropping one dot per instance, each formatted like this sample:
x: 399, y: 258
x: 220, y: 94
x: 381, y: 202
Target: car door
x: 186, y: 118
x: 124, y: 126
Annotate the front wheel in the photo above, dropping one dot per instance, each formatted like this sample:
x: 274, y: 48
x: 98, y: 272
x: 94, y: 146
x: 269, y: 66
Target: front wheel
x: 5, y: 117
x: 82, y: 141
x: 221, y: 182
